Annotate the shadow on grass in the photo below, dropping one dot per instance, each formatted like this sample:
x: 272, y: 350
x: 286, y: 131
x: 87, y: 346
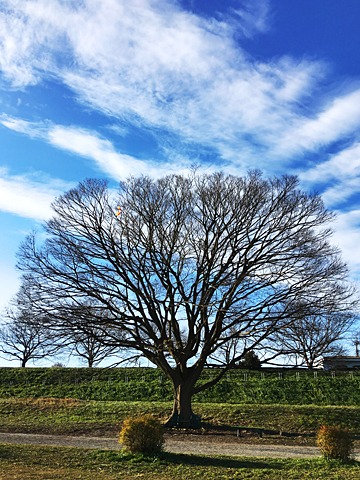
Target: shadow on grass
x: 256, y: 463
x: 225, y: 462
x: 189, y: 460
x: 230, y: 462
x: 114, y: 459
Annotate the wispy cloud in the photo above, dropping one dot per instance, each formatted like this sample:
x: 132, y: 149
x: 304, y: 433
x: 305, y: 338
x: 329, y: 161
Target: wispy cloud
x: 89, y: 144
x: 116, y: 165
x: 342, y: 165
x: 160, y: 66
x: 28, y: 196
x: 252, y: 17
x: 347, y: 238
x: 339, y: 175
x: 338, y: 119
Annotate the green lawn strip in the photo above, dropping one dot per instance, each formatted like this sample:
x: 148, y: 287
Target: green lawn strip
x: 56, y: 416
x: 67, y: 416
x: 267, y: 386
x: 81, y: 463
x: 285, y: 418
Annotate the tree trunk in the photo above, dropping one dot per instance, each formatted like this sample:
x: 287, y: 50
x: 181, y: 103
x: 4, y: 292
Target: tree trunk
x: 182, y: 415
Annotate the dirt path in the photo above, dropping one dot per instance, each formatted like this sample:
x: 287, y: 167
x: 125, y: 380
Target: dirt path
x: 175, y: 445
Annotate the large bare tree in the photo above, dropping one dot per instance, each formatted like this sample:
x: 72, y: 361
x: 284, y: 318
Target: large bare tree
x: 188, y: 265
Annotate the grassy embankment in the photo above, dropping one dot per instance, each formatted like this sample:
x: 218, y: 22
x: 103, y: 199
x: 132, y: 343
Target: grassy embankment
x: 137, y: 384
x: 76, y: 416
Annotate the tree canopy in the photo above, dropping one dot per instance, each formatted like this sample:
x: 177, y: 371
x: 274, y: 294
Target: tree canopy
x: 188, y: 268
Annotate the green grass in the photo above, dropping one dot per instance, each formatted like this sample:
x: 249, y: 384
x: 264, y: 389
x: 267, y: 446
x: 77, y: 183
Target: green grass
x: 83, y: 406
x: 29, y: 462
x: 69, y: 416
x: 20, y: 462
x: 141, y: 384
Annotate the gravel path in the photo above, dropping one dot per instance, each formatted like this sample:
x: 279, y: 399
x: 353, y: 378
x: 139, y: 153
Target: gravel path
x: 189, y: 445
x: 171, y: 445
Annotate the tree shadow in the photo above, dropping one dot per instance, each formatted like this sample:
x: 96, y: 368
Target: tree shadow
x: 249, y: 463
x: 225, y: 462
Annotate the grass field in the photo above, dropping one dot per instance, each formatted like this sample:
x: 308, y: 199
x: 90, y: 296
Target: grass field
x: 70, y: 416
x: 55, y: 463
x: 61, y: 414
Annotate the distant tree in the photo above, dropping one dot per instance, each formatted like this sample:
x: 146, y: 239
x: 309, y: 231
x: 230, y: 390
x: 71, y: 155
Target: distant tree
x: 90, y: 347
x: 24, y: 337
x: 191, y: 264
x: 85, y: 338
x: 57, y: 365
x: 308, y: 337
x: 251, y: 361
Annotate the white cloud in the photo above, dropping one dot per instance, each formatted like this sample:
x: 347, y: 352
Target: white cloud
x: 347, y: 238
x: 24, y: 26
x: 340, y: 118
x: 35, y: 130
x: 344, y: 164
x: 340, y: 192
x: 115, y: 165
x: 28, y: 197
x: 341, y: 171
x: 252, y: 17
x: 158, y: 65
x: 89, y: 144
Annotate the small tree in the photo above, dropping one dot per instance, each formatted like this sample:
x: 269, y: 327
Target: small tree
x: 190, y: 265
x: 90, y: 345
x: 24, y: 336
x: 251, y: 361
x: 21, y: 340
x: 313, y: 334
x: 80, y: 334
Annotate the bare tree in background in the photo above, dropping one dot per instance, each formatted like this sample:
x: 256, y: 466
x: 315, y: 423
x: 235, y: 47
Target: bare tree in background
x: 24, y: 337
x: 90, y: 347
x: 189, y: 265
x: 84, y: 339
x: 313, y: 335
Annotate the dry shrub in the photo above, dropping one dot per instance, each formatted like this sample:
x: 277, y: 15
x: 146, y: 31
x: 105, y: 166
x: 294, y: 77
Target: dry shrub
x: 335, y: 443
x: 143, y: 434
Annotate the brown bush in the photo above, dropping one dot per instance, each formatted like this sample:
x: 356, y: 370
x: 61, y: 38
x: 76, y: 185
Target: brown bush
x: 143, y: 434
x: 335, y: 443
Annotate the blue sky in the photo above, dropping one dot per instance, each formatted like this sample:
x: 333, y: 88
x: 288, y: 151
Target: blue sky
x: 112, y: 88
